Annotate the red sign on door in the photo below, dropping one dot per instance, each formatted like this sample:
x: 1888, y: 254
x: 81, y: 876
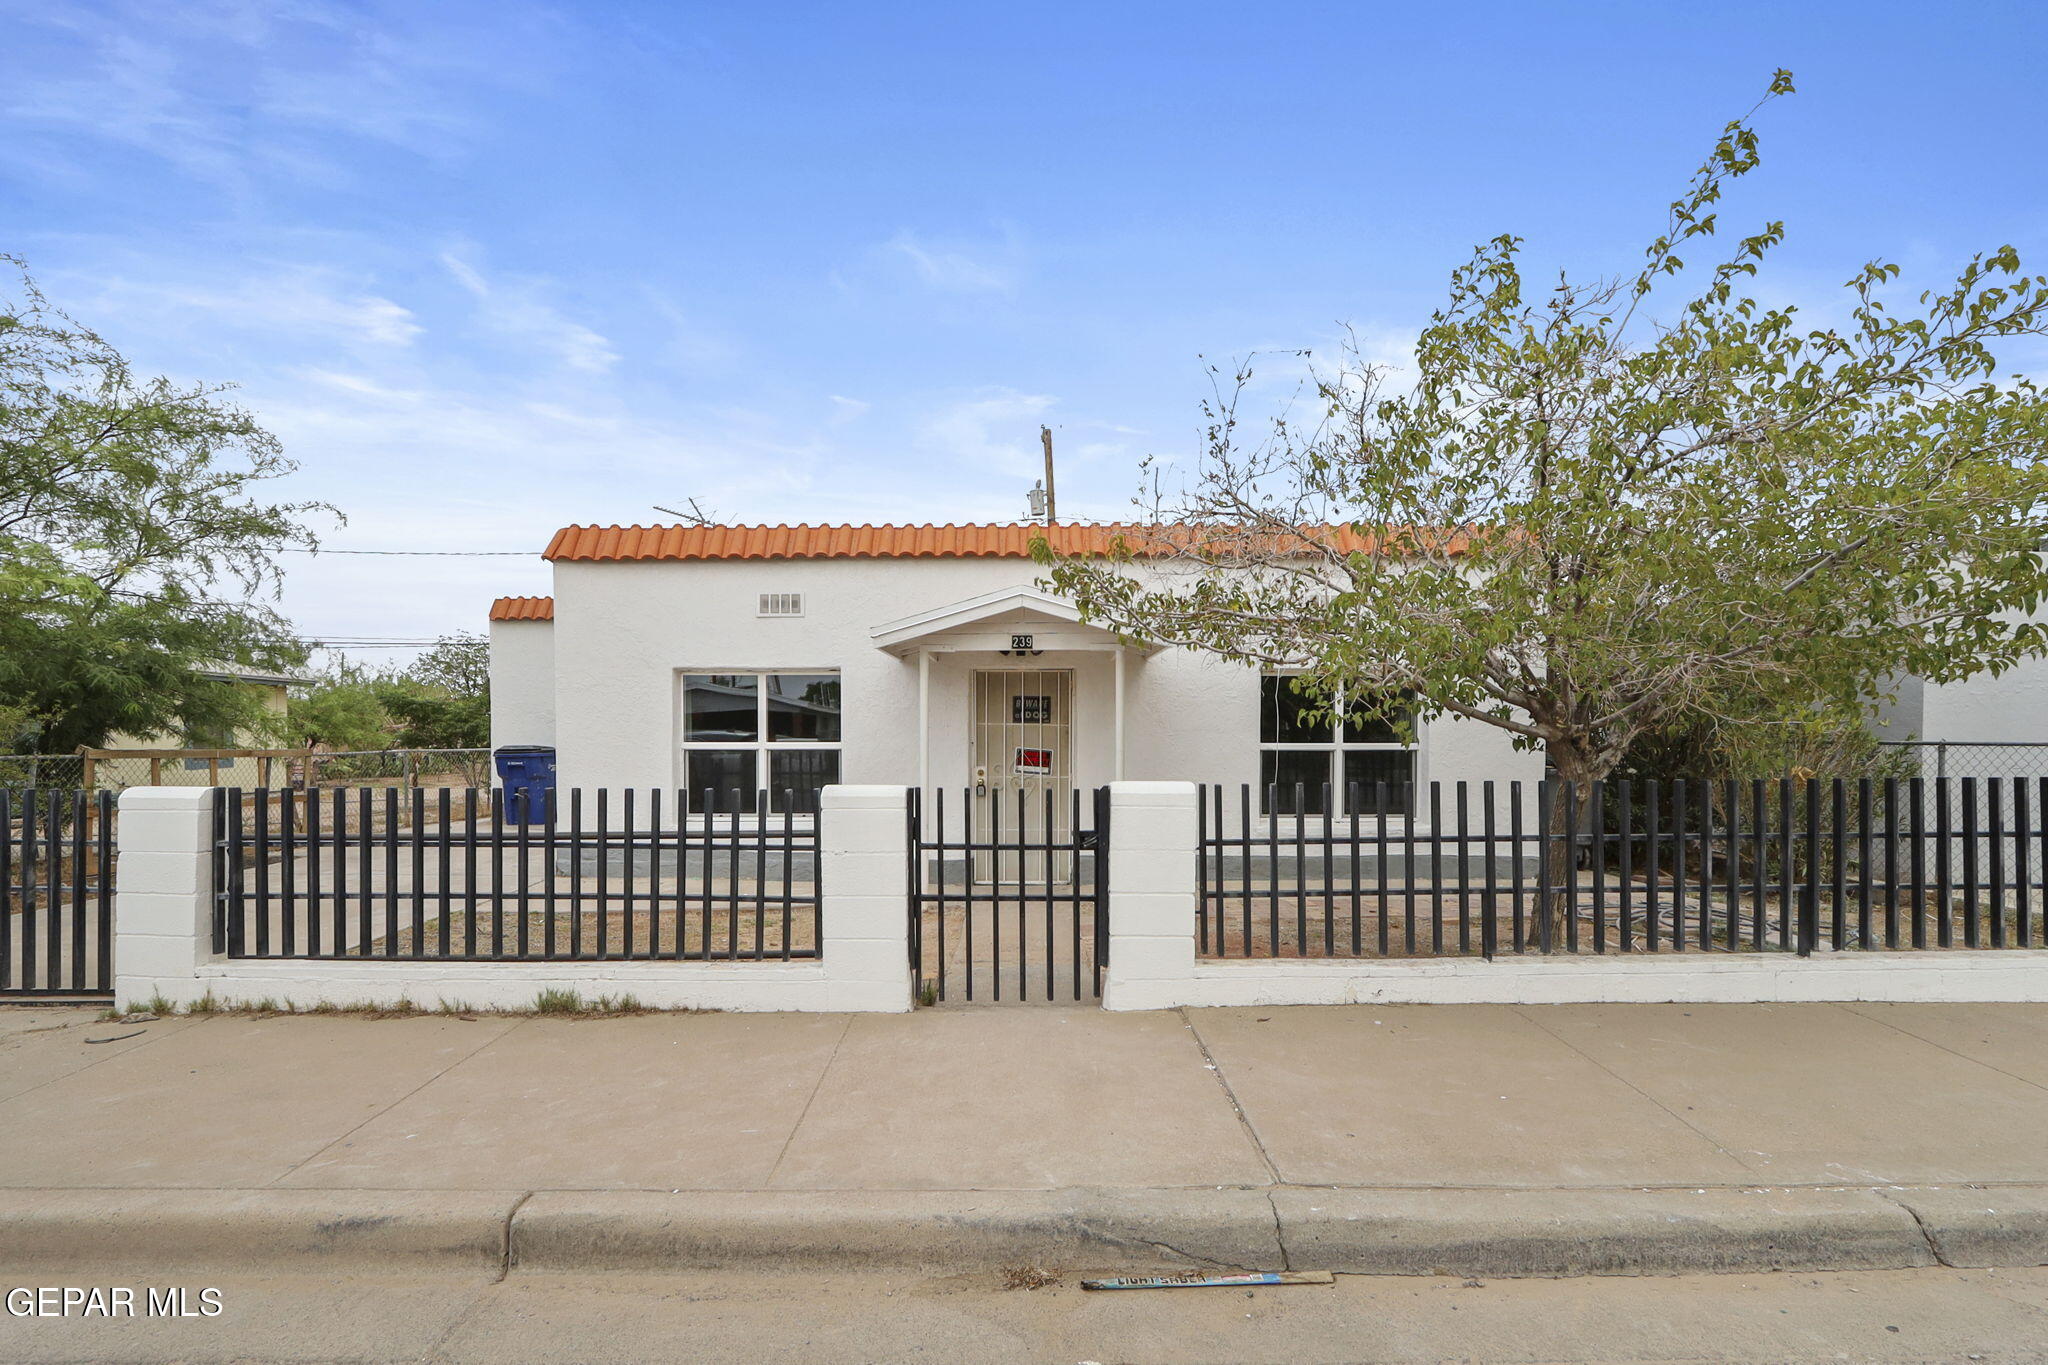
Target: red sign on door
x: 1035, y: 762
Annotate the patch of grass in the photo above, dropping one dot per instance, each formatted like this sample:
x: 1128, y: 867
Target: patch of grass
x: 928, y: 992
x: 559, y: 1002
x: 570, y: 1002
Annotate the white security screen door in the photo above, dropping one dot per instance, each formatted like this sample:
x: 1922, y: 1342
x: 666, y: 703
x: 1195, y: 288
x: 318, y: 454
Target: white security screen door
x: 1023, y: 743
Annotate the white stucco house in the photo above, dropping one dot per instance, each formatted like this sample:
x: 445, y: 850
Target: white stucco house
x: 740, y: 658
x: 735, y: 658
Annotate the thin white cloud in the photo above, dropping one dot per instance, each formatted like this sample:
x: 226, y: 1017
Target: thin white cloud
x: 238, y: 94
x: 995, y: 430
x: 515, y: 309
x: 300, y: 303
x: 957, y: 269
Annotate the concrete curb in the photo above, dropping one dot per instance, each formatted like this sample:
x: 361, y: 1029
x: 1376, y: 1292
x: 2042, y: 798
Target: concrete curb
x: 1367, y: 1231
x: 931, y: 1231
x: 1598, y: 1232
x: 1982, y: 1226
x: 256, y: 1230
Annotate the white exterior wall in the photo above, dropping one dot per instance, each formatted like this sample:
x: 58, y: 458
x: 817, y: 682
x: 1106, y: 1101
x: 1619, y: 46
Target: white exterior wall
x: 2011, y: 708
x: 522, y: 683
x: 626, y: 632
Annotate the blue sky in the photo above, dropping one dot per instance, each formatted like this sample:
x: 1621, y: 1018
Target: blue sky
x: 491, y: 268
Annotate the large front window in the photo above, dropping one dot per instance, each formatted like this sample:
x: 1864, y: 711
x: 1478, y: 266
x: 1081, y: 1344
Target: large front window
x: 1312, y: 760
x: 745, y: 734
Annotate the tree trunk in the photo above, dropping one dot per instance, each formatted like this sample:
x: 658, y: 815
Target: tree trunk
x: 1581, y: 765
x: 1577, y: 766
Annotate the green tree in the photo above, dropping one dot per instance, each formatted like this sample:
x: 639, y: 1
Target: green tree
x: 458, y: 664
x: 344, y: 711
x: 1588, y: 518
x: 444, y: 700
x: 133, y: 549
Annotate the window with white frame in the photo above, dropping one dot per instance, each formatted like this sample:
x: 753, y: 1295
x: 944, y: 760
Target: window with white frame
x: 749, y: 733
x: 1307, y: 751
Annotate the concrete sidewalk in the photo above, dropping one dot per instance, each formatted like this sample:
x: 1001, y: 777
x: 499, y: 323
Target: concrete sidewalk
x: 1491, y: 1139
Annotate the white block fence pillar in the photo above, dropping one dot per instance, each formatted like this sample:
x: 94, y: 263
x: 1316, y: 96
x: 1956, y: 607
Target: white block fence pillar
x: 163, y: 894
x: 864, y: 889
x: 1152, y: 894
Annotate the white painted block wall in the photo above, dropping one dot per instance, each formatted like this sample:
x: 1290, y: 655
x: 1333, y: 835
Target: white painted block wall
x: 163, y: 949
x: 1153, y: 965
x: 522, y: 683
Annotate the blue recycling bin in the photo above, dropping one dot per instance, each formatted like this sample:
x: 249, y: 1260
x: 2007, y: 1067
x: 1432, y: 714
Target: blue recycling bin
x: 527, y: 773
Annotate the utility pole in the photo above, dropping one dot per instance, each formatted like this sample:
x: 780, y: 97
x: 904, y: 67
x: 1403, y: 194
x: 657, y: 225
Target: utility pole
x: 1045, y: 436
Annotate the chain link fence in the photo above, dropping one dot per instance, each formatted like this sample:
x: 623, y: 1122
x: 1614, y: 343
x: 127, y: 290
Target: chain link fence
x: 404, y: 768
x: 1942, y: 763
x: 41, y: 772
x: 252, y: 769
x: 1974, y: 758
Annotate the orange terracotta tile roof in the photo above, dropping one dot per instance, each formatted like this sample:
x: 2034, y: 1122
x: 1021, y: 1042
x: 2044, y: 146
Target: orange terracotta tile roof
x: 523, y: 609
x: 856, y: 542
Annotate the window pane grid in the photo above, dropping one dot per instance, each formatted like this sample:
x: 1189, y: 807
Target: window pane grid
x: 746, y: 731
x: 1299, y: 755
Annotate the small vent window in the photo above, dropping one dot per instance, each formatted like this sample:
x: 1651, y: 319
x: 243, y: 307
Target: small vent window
x: 782, y: 604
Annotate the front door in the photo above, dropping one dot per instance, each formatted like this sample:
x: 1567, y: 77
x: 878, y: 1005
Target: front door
x: 1023, y: 760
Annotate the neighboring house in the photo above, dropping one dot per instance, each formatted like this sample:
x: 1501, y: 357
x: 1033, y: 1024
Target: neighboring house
x: 270, y: 691
x: 1984, y: 726
x: 733, y: 658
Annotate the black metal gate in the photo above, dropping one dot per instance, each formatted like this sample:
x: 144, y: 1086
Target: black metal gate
x: 1008, y: 900
x: 56, y: 895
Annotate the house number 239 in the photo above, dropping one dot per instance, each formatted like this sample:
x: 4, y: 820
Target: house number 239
x: 1022, y: 642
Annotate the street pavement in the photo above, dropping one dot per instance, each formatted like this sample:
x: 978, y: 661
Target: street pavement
x: 818, y: 1319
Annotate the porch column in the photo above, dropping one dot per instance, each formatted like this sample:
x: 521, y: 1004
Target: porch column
x: 1116, y: 770
x: 924, y: 720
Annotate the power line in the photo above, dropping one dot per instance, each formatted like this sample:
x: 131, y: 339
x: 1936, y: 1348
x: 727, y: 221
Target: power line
x: 430, y: 554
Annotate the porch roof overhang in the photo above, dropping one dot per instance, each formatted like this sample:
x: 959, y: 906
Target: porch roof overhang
x: 989, y: 621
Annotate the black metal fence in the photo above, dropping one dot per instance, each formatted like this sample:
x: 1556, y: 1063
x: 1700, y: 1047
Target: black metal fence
x: 477, y: 875
x: 1009, y: 887
x: 57, y: 858
x: 1786, y: 866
